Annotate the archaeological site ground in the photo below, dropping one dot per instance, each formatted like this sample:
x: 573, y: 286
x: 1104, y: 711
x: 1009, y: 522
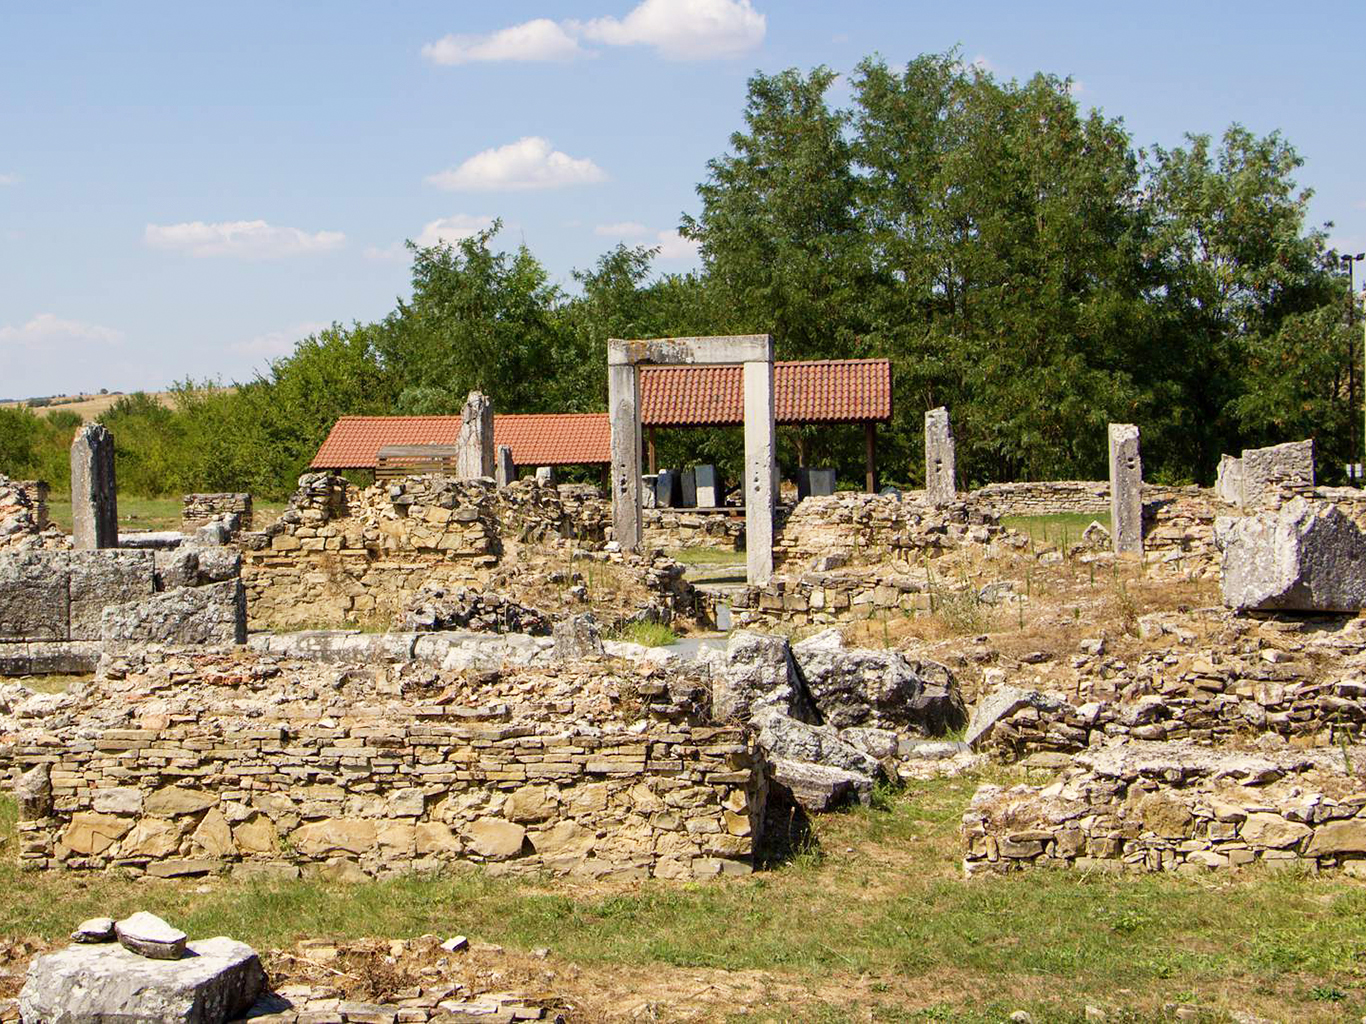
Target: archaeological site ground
x: 461, y: 743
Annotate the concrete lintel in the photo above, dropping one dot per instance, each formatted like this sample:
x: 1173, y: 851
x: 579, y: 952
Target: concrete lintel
x: 736, y: 348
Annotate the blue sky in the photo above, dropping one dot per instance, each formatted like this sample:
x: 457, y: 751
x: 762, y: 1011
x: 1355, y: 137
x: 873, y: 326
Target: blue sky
x: 186, y: 189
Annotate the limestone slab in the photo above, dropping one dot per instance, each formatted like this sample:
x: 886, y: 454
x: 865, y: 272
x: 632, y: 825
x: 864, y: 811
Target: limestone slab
x: 99, y: 984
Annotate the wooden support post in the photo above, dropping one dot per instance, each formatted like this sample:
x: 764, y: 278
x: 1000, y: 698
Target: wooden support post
x: 801, y: 446
x: 869, y: 455
x: 650, y: 450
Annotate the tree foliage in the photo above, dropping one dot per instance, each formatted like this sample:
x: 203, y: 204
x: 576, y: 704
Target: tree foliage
x: 1016, y: 257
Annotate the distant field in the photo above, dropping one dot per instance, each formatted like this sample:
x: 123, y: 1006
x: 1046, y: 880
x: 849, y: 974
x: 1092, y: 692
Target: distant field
x: 152, y: 513
x: 85, y: 406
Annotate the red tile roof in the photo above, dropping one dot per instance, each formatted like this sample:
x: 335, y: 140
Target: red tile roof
x: 826, y: 391
x: 823, y: 391
x: 536, y: 439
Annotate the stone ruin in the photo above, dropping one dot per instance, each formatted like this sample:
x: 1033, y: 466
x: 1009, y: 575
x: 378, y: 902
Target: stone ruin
x: 497, y: 718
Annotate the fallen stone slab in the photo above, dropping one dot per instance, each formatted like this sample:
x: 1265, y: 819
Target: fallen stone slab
x: 857, y: 686
x: 150, y: 936
x: 818, y: 787
x: 759, y: 676
x: 97, y: 929
x: 216, y: 981
x: 1304, y: 557
x: 783, y: 736
x: 1000, y: 704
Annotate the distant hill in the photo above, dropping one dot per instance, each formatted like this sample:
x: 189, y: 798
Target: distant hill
x: 85, y: 406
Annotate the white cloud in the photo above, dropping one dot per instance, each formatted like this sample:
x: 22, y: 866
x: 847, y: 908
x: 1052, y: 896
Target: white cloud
x: 274, y: 344
x: 453, y: 229
x: 394, y: 252
x: 682, y: 29
x: 51, y: 333
x: 678, y: 29
x: 673, y: 246
x: 9, y: 179
x: 246, y: 239
x: 622, y: 229
x: 528, y: 163
x: 540, y: 39
x: 444, y: 229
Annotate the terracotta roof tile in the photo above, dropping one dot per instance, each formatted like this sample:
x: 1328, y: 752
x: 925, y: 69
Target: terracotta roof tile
x: 828, y: 391
x: 824, y: 391
x: 536, y: 439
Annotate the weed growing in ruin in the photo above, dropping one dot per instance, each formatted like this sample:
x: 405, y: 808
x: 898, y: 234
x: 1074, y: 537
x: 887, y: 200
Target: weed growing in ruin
x: 647, y: 634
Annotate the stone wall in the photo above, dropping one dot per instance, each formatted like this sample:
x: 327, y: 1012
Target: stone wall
x: 187, y: 766
x: 58, y: 608
x: 198, y: 509
x: 361, y: 556
x: 857, y: 529
x: 1044, y: 498
x: 1170, y: 807
x: 24, y: 520
x: 673, y: 528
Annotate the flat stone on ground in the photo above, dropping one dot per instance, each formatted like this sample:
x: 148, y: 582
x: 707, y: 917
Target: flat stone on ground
x: 150, y: 936
x: 217, y: 981
x: 97, y: 929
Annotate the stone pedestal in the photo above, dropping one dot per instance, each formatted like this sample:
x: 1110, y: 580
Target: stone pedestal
x: 1126, y: 490
x: 94, y: 495
x: 940, y: 460
x: 709, y: 492
x: 474, y: 445
x: 505, y: 472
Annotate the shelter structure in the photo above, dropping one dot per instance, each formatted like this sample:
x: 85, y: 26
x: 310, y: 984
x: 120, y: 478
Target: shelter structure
x: 812, y: 392
x: 535, y: 439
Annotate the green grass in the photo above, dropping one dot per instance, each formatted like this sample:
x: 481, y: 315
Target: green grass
x: 707, y: 556
x: 875, y: 906
x: 647, y: 634
x: 1062, y: 529
x: 151, y: 513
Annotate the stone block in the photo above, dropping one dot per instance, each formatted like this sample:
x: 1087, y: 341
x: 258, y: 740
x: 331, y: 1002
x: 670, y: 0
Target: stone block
x: 35, y: 596
x: 99, y: 579
x: 709, y: 491
x: 1306, y: 557
x: 94, y: 494
x: 941, y: 487
x: 505, y: 470
x: 215, y: 614
x: 688, y: 483
x: 1265, y: 470
x: 814, y: 483
x: 474, y: 443
x: 89, y: 984
x: 1126, y: 490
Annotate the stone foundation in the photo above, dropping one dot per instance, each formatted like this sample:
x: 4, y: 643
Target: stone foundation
x: 1172, y: 807
x: 192, y: 764
x: 199, y: 509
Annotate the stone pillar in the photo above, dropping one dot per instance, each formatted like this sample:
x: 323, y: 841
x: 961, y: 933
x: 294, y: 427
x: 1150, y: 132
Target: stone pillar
x: 623, y: 403
x: 941, y: 486
x: 94, y: 495
x: 1126, y: 490
x: 505, y: 472
x: 546, y: 476
x: 760, y: 463
x: 474, y: 445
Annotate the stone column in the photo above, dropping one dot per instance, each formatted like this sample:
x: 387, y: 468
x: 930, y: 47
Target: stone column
x: 1126, y: 490
x: 474, y: 445
x: 94, y: 495
x: 623, y: 403
x: 505, y: 472
x: 760, y: 464
x: 941, y: 487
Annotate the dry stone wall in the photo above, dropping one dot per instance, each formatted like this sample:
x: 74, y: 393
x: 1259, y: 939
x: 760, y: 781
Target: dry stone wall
x: 1172, y: 807
x: 200, y: 509
x: 362, y: 556
x: 181, y: 765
